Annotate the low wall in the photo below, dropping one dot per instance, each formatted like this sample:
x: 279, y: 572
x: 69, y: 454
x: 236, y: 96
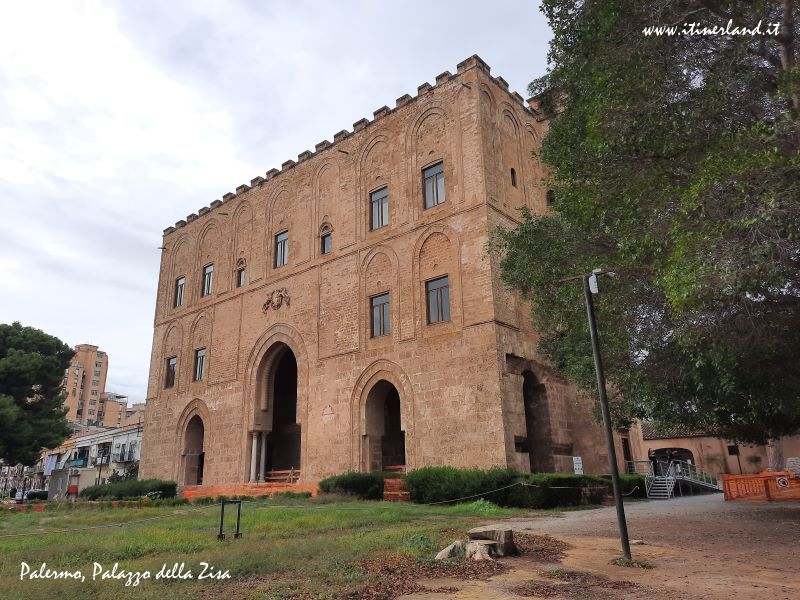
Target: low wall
x: 245, y: 489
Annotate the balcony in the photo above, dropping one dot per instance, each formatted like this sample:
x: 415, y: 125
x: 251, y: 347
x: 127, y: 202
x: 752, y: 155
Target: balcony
x: 77, y: 462
x: 126, y: 456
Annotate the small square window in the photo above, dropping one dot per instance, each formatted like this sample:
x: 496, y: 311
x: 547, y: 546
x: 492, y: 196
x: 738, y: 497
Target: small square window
x: 199, y: 364
x: 208, y: 280
x: 180, y: 285
x: 733, y: 450
x: 326, y: 242
x: 379, y: 206
x: 438, y: 300
x: 380, y: 315
x: 169, y: 378
x: 282, y: 249
x: 433, y: 183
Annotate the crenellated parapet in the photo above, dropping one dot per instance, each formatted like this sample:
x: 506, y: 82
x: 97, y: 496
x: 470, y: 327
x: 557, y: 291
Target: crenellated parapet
x: 424, y: 90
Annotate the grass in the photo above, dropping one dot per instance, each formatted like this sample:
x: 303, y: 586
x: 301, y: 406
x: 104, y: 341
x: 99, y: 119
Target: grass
x: 290, y: 548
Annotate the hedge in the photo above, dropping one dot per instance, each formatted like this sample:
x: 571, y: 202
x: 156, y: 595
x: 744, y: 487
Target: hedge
x: 632, y: 485
x: 130, y: 489
x: 544, y: 490
x: 366, y: 486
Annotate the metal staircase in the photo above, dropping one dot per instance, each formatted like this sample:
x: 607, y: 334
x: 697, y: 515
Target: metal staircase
x: 662, y: 477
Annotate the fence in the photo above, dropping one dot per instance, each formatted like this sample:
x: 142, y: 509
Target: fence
x: 768, y: 486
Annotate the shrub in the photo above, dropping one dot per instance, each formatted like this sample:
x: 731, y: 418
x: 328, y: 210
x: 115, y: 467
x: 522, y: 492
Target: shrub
x: 544, y: 490
x: 366, y: 486
x: 130, y: 489
x: 437, y: 484
x: 548, y: 490
x: 632, y: 485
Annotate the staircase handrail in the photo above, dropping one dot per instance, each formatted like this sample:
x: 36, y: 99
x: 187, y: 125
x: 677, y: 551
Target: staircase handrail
x: 687, y: 471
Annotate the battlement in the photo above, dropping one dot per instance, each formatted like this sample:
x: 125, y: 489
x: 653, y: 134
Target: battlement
x: 473, y: 62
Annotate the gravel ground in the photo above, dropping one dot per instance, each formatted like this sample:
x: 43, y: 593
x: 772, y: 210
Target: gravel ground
x: 700, y: 547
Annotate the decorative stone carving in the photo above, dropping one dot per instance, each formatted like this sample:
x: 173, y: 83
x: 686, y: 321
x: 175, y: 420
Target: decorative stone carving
x: 276, y: 299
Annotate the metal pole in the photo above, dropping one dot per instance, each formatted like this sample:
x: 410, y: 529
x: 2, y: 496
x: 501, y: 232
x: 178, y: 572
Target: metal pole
x: 601, y: 388
x: 221, y: 535
x: 237, y: 535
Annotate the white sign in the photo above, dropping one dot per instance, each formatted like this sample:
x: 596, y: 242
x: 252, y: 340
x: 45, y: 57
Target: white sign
x: 577, y: 465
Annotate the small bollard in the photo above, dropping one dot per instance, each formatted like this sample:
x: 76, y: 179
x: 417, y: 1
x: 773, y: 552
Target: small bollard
x: 237, y: 534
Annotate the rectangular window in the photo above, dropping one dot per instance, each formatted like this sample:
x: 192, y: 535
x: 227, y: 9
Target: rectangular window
x: 199, y: 364
x: 97, y: 364
x: 240, y: 277
x: 208, y: 280
x: 379, y: 204
x: 169, y: 378
x: 95, y: 383
x: 433, y: 182
x: 282, y: 249
x: 327, y: 243
x: 94, y: 392
x: 180, y: 284
x: 380, y: 315
x: 438, y: 293
x: 97, y: 373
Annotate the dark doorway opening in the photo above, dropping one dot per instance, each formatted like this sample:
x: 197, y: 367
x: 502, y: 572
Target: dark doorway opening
x: 193, y: 453
x: 283, y: 441
x: 537, y: 424
x: 385, y: 439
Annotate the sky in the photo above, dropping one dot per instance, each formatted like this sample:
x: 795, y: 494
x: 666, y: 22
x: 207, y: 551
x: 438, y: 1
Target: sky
x: 119, y: 118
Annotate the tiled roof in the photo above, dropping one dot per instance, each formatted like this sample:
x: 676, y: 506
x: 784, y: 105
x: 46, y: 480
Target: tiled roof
x: 656, y: 431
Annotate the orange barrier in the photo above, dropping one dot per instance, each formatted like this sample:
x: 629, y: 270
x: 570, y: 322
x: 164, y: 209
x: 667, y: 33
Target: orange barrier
x: 394, y: 490
x: 245, y: 489
x: 765, y: 486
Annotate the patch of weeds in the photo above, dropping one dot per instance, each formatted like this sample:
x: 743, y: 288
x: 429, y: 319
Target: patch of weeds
x: 621, y: 561
x: 556, y: 571
x: 481, y: 508
x: 417, y: 543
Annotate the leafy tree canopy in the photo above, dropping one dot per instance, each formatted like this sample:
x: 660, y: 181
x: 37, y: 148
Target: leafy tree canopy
x: 32, y: 366
x: 674, y: 162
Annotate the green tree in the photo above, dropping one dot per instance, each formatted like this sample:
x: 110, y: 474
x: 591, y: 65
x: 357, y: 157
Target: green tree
x: 32, y: 366
x: 673, y: 162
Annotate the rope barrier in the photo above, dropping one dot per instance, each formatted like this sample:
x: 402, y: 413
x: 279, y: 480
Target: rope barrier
x: 297, y: 507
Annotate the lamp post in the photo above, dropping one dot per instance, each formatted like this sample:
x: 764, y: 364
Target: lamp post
x: 589, y: 288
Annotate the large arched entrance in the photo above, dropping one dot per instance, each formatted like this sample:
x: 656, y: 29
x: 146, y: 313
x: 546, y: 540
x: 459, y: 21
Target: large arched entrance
x: 275, y: 441
x: 385, y: 440
x: 193, y: 452
x: 537, y: 424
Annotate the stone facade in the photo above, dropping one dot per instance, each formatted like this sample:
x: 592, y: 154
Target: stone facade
x: 444, y: 393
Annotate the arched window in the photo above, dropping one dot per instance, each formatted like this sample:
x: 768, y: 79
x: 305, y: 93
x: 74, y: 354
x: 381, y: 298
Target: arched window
x: 326, y: 238
x: 514, y: 177
x: 240, y: 273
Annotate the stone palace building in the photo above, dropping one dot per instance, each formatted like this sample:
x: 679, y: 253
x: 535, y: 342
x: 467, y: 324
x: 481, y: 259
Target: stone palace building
x: 344, y: 313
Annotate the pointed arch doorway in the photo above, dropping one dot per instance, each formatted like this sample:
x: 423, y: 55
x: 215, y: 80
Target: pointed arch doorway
x: 275, y: 442
x: 384, y: 440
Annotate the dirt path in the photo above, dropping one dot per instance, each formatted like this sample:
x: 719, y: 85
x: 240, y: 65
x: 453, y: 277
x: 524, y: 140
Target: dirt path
x: 701, y: 547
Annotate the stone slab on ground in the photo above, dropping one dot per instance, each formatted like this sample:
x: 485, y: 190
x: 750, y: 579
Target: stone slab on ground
x: 504, y: 537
